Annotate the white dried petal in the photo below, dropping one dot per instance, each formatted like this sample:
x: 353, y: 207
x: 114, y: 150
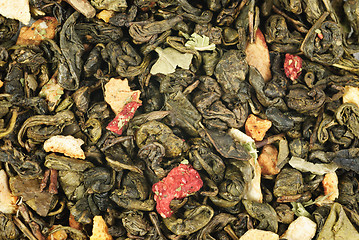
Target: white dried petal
x: 7, y: 200
x: 316, y: 168
x: 300, y: 229
x: 253, y: 188
x: 68, y: 145
x: 16, y: 9
x: 256, y: 234
x: 240, y: 136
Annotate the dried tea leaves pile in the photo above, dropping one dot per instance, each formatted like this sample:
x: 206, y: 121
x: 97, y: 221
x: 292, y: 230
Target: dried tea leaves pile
x: 179, y: 119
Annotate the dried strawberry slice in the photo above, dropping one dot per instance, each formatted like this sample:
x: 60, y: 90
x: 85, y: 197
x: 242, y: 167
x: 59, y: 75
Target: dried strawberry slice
x: 179, y: 183
x: 128, y: 111
x: 292, y: 66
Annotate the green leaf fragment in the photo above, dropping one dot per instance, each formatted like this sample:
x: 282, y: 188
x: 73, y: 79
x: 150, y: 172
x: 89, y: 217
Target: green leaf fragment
x: 185, y: 161
x: 299, y: 210
x: 200, y: 43
x: 169, y: 59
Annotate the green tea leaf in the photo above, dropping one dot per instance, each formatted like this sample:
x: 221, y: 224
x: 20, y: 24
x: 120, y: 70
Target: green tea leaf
x: 299, y: 210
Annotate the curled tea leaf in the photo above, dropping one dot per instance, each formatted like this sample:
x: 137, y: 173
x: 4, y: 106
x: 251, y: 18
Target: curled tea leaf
x: 348, y: 114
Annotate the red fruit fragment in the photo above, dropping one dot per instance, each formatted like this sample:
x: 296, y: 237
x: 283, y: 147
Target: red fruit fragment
x: 179, y: 183
x: 292, y: 66
x: 128, y: 111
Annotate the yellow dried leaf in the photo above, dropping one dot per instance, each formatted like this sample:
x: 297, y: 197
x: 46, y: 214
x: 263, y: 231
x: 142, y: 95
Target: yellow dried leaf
x: 257, y: 55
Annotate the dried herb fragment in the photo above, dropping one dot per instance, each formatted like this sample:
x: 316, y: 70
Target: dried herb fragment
x: 169, y: 59
x: 200, y: 43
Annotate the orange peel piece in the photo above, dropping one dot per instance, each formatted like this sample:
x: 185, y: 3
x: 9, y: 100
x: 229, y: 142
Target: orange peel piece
x: 256, y: 127
x: 100, y: 229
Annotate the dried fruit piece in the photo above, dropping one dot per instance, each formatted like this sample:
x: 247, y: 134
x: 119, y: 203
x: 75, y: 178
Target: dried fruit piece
x: 292, y: 66
x: 7, y: 199
x: 38, y: 31
x: 179, y: 183
x: 257, y: 55
x: 73, y: 223
x: 330, y: 186
x: 58, y: 235
x: 16, y: 9
x: 351, y: 95
x: 259, y: 235
x: 105, y: 15
x: 118, y: 94
x: 52, y: 92
x: 256, y: 127
x: 268, y: 160
x: 300, y: 229
x: 68, y: 145
x: 100, y: 229
x: 117, y: 124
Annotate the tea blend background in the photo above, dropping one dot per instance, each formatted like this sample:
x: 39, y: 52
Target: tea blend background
x: 178, y: 119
